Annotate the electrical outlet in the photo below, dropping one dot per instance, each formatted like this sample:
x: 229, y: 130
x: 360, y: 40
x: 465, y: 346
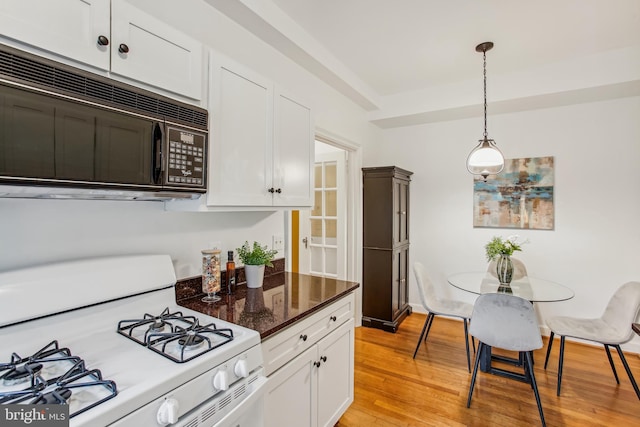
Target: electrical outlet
x: 278, y: 242
x: 216, y: 244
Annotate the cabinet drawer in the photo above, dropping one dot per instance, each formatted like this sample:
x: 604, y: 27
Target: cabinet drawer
x: 290, y: 342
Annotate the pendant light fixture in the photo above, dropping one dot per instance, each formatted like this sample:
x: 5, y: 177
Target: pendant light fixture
x: 485, y: 159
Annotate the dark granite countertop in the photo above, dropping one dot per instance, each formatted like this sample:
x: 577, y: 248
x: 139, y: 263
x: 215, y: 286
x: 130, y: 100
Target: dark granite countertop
x: 284, y: 299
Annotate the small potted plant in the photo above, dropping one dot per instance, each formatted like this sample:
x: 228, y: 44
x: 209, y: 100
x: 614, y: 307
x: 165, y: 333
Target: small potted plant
x: 255, y: 258
x: 502, y: 250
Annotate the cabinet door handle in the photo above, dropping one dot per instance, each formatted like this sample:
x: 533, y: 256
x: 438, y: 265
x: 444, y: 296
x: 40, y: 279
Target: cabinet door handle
x: 334, y: 318
x: 123, y: 48
x: 303, y: 337
x: 271, y: 190
x: 324, y: 358
x: 279, y: 190
x: 316, y: 364
x: 103, y: 41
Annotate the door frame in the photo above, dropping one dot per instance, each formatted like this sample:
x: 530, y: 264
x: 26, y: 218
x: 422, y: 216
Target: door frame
x: 353, y: 250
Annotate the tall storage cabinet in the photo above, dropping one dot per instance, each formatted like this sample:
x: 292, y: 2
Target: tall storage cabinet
x: 385, y: 273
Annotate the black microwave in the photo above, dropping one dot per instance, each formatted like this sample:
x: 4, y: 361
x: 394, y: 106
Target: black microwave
x: 65, y: 128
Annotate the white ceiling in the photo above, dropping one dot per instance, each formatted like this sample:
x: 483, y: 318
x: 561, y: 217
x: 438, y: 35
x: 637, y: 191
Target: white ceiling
x: 397, y: 46
x: 389, y: 56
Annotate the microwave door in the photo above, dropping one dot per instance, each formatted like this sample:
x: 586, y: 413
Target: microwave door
x: 124, y: 151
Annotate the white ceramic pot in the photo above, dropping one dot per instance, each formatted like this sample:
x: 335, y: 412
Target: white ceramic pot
x: 254, y: 275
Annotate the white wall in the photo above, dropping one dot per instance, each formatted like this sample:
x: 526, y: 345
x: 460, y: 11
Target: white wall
x: 595, y: 246
x: 38, y: 231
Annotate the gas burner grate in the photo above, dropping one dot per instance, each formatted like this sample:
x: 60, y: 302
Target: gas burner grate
x: 45, y: 384
x: 175, y: 336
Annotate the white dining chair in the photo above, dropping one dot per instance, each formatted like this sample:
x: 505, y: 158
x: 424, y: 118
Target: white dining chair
x: 507, y: 322
x: 519, y: 269
x: 436, y: 306
x: 612, y: 329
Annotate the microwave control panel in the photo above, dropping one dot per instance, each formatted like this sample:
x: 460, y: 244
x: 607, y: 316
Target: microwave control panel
x: 185, y: 160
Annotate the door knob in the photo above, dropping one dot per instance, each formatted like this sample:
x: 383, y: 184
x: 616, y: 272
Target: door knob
x: 305, y: 241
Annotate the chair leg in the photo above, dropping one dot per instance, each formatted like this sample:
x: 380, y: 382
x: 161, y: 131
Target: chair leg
x: 466, y: 343
x: 560, y: 363
x: 422, y: 334
x: 613, y: 367
x: 534, y: 385
x: 626, y: 367
x: 475, y: 372
x: 546, y: 359
x: 430, y: 319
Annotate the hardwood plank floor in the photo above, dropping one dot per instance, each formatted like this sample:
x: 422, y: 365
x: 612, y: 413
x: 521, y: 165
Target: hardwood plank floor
x: 393, y: 389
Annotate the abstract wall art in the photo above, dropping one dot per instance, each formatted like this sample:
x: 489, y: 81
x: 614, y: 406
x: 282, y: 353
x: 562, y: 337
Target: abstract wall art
x: 521, y: 196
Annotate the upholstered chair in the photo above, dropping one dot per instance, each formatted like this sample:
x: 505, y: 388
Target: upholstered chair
x: 507, y: 322
x: 439, y: 306
x: 612, y: 329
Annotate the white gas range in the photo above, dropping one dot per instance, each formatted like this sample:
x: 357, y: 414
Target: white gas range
x: 106, y: 337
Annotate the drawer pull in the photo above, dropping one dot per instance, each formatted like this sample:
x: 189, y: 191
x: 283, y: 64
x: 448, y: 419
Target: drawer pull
x: 334, y: 318
x: 303, y: 337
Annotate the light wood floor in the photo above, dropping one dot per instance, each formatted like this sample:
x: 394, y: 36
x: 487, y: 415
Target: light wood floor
x: 393, y: 389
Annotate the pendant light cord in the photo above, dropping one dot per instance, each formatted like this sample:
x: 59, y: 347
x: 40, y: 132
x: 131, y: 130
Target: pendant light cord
x: 484, y: 68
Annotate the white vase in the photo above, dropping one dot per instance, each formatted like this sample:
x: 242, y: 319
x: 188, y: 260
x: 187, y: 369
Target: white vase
x: 254, y: 275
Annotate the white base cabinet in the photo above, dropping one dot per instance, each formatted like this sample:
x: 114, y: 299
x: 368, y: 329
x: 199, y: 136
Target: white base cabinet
x: 315, y: 388
x: 310, y: 368
x: 108, y: 35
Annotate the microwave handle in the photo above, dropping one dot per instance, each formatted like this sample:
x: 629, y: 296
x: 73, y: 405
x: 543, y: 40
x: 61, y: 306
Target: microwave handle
x: 158, y: 139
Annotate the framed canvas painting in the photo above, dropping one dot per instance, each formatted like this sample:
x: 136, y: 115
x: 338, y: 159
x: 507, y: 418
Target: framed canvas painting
x: 521, y: 196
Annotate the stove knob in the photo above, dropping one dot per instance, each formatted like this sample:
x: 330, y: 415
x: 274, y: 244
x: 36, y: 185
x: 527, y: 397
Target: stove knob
x: 221, y: 380
x: 168, y: 412
x: 241, y: 369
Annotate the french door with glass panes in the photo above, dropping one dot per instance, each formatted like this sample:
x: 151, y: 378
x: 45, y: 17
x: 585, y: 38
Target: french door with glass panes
x: 322, y: 229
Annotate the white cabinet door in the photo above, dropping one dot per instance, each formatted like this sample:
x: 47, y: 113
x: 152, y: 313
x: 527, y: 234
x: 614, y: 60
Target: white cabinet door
x: 293, y: 152
x: 69, y: 28
x: 241, y: 153
x: 335, y: 374
x: 291, y: 399
x: 157, y: 54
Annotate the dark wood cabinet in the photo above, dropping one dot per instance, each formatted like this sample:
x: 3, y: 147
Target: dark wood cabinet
x: 385, y: 272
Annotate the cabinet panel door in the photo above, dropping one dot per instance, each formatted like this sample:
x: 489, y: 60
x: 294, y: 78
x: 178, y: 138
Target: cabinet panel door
x: 335, y: 374
x: 27, y: 143
x: 291, y: 398
x: 401, y: 211
x: 65, y: 27
x: 158, y: 55
x: 241, y: 146
x: 293, y: 152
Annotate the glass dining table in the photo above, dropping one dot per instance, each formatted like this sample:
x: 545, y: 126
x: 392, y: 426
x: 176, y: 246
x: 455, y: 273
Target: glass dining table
x: 530, y: 288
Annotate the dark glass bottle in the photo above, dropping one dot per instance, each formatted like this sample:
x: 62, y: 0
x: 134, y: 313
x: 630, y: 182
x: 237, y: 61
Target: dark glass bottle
x: 231, y: 274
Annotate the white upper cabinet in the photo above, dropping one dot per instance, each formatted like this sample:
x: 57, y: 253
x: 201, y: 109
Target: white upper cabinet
x: 112, y: 36
x: 261, y: 148
x: 293, y: 149
x: 148, y: 50
x: 69, y: 28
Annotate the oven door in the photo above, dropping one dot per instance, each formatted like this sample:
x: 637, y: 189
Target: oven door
x: 240, y: 405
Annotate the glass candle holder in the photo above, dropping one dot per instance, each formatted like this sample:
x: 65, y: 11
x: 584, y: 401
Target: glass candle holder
x: 211, y: 275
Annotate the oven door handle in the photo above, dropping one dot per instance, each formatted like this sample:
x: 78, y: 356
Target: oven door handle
x: 257, y: 393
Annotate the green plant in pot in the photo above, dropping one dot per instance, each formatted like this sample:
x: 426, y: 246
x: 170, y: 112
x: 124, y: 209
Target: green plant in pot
x: 255, y: 258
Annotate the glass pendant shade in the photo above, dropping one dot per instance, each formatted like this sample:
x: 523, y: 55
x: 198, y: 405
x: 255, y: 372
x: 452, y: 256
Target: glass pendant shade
x: 486, y: 159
